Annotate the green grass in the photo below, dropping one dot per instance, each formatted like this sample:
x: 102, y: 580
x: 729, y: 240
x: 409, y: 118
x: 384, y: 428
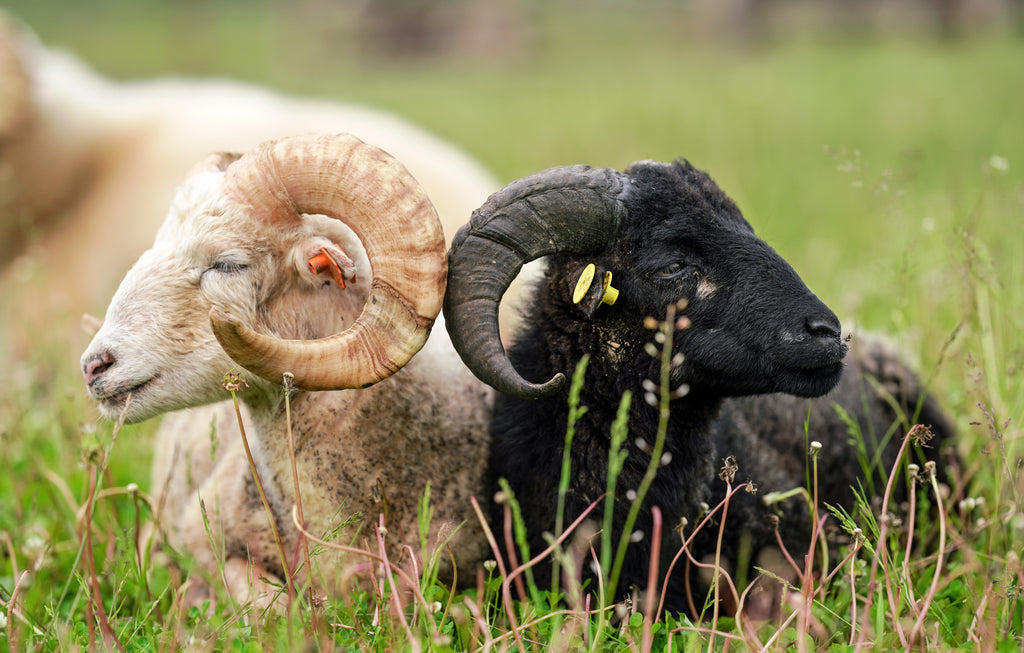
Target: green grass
x: 889, y: 171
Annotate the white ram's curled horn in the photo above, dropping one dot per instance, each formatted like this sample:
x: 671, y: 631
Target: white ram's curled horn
x: 371, y: 192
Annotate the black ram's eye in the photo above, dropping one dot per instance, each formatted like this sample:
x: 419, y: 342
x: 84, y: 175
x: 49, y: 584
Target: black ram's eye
x: 669, y: 271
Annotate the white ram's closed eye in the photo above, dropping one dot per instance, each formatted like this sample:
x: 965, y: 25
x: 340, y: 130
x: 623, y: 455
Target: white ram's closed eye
x: 228, y: 267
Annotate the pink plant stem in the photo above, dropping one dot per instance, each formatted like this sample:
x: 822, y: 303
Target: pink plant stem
x: 668, y: 574
x: 880, y: 549
x: 510, y: 548
x: 915, y: 632
x: 807, y: 586
x: 652, y: 581
x: 506, y: 595
x: 718, y: 565
x: 413, y: 586
x: 12, y: 629
x: 395, y: 596
x: 789, y: 558
x: 298, y: 494
x: 911, y: 599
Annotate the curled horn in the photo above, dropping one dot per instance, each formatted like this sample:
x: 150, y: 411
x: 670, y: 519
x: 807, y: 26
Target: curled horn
x: 575, y: 209
x: 371, y: 192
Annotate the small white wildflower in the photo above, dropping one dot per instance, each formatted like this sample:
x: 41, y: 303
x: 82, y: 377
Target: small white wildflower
x: 649, y: 386
x: 815, y: 447
x: 967, y: 504
x: 651, y: 398
x: 642, y: 445
x: 704, y: 507
x: 979, y: 502
x: 435, y: 606
x: 133, y: 488
x: 34, y: 545
x: 636, y: 536
x: 3, y: 620
x: 489, y: 565
x: 666, y: 458
x: 631, y: 494
x: 659, y: 337
x: 999, y: 163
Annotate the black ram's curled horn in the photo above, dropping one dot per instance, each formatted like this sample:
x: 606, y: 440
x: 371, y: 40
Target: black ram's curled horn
x: 575, y: 209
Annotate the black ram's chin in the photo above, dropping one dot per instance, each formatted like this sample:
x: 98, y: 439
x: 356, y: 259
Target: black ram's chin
x: 809, y: 382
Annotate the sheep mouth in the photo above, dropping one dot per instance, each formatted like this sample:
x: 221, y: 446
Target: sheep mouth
x: 114, y: 401
x: 811, y: 381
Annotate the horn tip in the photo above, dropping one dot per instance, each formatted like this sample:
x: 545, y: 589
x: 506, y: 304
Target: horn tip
x: 546, y: 389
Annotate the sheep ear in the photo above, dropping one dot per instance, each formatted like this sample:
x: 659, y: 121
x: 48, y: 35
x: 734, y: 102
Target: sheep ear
x: 589, y: 286
x: 324, y: 262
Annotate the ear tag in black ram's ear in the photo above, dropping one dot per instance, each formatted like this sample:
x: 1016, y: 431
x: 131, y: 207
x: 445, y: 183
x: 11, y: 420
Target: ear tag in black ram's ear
x: 590, y: 295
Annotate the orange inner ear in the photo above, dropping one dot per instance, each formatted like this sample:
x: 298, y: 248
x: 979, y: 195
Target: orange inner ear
x: 324, y: 261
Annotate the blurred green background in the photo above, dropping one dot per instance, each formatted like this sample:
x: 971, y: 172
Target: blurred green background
x: 877, y: 145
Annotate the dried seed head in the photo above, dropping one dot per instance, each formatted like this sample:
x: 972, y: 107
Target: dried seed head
x: 729, y: 468
x: 920, y: 434
x: 929, y: 469
x: 234, y: 382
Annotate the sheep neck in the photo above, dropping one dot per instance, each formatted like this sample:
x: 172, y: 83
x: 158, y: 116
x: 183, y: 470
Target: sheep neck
x: 528, y: 435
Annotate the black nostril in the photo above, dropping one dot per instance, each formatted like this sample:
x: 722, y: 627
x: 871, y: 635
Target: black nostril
x: 96, y: 366
x: 823, y: 328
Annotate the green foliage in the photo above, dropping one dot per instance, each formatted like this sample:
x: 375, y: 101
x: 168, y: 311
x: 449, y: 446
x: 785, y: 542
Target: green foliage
x: 888, y: 171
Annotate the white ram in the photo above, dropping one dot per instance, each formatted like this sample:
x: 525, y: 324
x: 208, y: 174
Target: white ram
x: 88, y: 167
x: 322, y: 257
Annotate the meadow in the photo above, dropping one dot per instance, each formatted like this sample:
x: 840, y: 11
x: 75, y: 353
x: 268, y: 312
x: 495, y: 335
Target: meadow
x: 888, y: 169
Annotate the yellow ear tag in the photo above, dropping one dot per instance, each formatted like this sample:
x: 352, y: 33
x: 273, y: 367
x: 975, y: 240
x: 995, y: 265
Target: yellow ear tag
x: 583, y: 284
x: 609, y: 294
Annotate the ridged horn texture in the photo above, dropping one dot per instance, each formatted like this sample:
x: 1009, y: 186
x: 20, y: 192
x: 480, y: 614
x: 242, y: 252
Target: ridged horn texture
x: 575, y: 209
x: 344, y: 178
